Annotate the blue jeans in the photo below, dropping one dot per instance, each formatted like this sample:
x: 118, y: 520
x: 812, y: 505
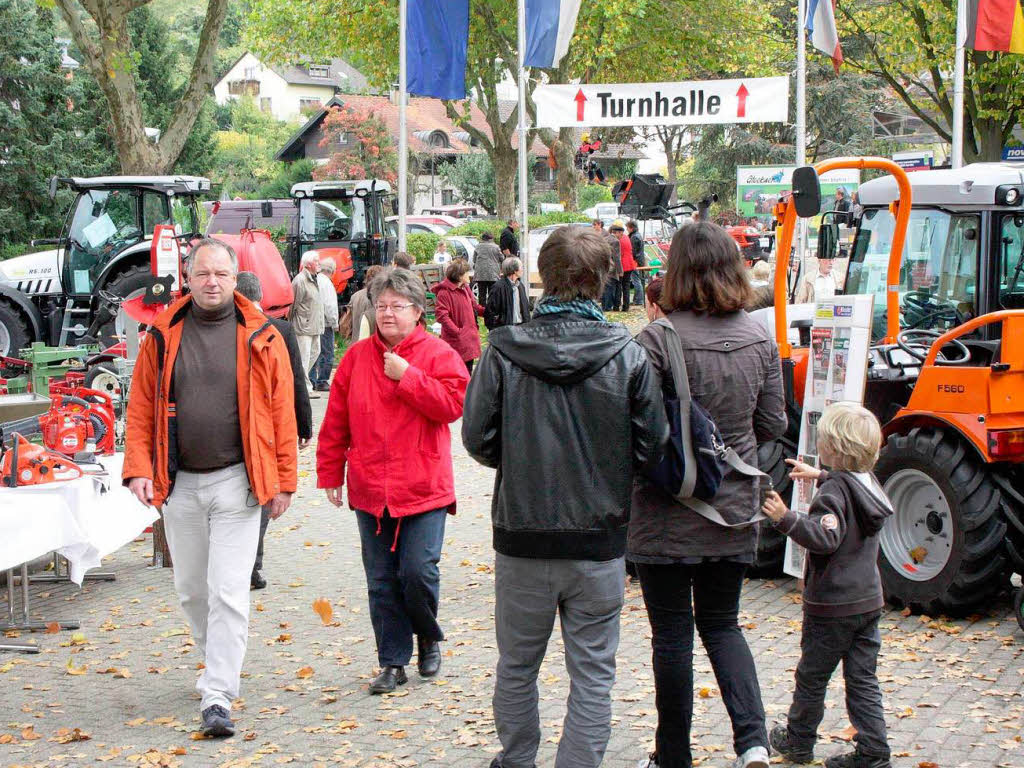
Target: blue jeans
x: 404, y: 583
x: 612, y: 295
x: 321, y: 373
x: 638, y: 287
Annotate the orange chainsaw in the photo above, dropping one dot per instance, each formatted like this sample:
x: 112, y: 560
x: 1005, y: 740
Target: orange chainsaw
x: 25, y: 463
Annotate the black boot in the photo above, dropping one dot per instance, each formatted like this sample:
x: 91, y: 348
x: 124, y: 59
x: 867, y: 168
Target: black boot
x: 782, y: 744
x: 388, y: 680
x: 857, y: 760
x: 429, y: 661
x: 256, y: 581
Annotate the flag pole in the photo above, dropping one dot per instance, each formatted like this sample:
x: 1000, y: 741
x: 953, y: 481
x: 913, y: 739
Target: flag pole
x: 524, y: 148
x: 403, y: 134
x: 957, y: 150
x: 801, y: 111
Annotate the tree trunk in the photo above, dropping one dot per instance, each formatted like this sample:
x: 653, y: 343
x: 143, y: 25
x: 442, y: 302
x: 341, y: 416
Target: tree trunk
x: 504, y: 161
x: 671, y: 171
x: 566, y: 177
x: 108, y: 54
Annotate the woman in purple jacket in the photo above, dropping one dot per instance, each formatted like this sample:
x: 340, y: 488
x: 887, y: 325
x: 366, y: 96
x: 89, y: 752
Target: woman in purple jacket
x: 456, y: 310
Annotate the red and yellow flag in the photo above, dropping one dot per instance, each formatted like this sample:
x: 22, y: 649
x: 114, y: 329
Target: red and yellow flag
x: 995, y: 25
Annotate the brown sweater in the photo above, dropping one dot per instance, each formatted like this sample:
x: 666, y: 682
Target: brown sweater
x: 205, y: 391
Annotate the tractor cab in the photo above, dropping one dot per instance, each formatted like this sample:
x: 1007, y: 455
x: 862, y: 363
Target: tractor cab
x: 113, y: 218
x: 346, y: 220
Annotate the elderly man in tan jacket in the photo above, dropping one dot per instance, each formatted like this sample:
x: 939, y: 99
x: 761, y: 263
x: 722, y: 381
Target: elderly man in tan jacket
x: 307, y: 313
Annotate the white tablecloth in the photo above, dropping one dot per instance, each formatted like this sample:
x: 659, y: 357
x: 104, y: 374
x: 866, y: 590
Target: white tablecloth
x: 74, y: 518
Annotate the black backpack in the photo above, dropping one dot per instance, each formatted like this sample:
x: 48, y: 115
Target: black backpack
x: 696, y: 458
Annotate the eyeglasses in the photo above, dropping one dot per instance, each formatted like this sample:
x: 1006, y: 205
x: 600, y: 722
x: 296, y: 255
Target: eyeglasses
x: 394, y: 308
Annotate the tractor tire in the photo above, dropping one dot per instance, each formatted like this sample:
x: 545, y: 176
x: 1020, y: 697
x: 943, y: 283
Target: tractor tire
x: 103, y: 377
x: 1011, y: 483
x: 127, y: 284
x: 942, y: 551
x: 771, y: 545
x: 14, y: 332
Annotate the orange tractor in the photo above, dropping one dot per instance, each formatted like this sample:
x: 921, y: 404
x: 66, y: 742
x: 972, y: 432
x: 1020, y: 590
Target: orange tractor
x: 943, y: 253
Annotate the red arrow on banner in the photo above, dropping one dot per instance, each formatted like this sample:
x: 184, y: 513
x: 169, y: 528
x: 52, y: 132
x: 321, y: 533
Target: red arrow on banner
x: 580, y: 100
x: 741, y: 94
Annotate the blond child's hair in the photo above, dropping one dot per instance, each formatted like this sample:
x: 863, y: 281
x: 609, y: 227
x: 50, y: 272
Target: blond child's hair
x: 852, y: 436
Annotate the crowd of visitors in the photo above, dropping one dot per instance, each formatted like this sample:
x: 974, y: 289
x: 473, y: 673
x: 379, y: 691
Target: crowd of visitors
x: 561, y: 391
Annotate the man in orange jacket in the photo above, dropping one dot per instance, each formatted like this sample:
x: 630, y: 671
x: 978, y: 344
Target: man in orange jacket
x: 210, y: 438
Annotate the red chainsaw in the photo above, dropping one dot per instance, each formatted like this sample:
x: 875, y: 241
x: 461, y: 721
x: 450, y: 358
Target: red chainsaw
x: 77, y: 415
x: 26, y: 463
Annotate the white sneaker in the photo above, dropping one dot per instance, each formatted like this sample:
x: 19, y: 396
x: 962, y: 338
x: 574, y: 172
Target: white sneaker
x: 647, y: 762
x: 755, y: 757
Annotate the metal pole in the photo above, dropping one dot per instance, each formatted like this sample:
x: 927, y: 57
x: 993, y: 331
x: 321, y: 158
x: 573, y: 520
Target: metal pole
x: 524, y: 148
x: 957, y: 150
x: 801, y: 112
x: 403, y: 137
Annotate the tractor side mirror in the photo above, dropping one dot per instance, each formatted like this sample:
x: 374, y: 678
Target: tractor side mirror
x: 828, y: 239
x: 806, y: 192
x: 51, y: 190
x: 266, y: 209
x: 394, y: 206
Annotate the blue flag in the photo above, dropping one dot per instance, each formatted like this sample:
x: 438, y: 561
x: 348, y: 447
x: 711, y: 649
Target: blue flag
x: 549, y: 28
x: 437, y: 34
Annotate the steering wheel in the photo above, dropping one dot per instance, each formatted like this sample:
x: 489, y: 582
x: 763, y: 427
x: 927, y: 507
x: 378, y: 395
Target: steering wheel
x: 338, y: 229
x: 921, y: 308
x: 917, y: 342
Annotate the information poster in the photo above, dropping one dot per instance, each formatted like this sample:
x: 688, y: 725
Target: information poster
x: 836, y: 372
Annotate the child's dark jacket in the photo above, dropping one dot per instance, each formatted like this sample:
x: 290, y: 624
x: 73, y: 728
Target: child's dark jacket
x: 840, y: 533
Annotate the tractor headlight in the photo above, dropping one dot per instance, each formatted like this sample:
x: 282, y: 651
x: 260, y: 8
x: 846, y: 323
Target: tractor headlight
x: 1008, y: 195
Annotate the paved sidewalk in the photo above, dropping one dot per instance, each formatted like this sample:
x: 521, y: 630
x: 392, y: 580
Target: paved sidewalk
x: 954, y: 689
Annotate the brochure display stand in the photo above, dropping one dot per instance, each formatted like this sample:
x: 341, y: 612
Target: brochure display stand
x: 836, y: 371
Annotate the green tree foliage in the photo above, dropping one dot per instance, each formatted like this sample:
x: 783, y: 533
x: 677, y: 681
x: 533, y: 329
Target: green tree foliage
x: 244, y: 161
x: 45, y: 126
x: 288, y: 175
x: 910, y: 46
x: 473, y: 176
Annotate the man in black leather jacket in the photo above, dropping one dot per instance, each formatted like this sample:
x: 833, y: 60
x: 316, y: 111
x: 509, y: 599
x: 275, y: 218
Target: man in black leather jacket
x: 566, y: 408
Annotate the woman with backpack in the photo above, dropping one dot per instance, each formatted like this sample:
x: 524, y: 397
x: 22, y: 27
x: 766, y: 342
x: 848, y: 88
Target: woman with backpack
x: 691, y: 568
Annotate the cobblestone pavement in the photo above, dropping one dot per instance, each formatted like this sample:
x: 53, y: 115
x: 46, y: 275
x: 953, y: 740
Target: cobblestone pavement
x: 954, y: 690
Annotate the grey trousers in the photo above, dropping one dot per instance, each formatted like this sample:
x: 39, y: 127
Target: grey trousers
x: 587, y: 597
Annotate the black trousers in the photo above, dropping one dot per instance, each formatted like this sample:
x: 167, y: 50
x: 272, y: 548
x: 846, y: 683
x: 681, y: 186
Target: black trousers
x: 483, y: 289
x: 855, y: 641
x: 626, y: 281
x: 714, y: 609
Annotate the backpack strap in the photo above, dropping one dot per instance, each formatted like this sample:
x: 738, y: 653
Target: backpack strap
x: 681, y: 381
x: 677, y: 365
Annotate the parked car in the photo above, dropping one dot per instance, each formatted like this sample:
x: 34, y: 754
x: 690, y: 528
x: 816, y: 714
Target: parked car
x: 452, y: 211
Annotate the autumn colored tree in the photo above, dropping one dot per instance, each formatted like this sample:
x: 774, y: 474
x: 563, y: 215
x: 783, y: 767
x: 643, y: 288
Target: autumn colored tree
x: 361, y: 147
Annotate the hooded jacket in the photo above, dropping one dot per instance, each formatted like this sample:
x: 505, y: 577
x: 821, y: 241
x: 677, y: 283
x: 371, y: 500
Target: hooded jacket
x: 266, y: 405
x: 566, y: 409
x: 840, y: 533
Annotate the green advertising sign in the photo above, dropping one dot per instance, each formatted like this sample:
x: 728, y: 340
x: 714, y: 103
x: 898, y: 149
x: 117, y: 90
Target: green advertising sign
x: 759, y: 187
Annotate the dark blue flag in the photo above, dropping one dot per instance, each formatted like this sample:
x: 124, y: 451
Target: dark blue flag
x: 437, y: 34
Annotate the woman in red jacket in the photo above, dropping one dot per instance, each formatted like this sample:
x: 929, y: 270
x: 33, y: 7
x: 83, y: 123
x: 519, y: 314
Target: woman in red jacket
x: 456, y: 310
x: 392, y: 399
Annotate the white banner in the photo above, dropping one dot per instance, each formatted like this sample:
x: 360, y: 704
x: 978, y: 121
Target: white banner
x: 749, y: 100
